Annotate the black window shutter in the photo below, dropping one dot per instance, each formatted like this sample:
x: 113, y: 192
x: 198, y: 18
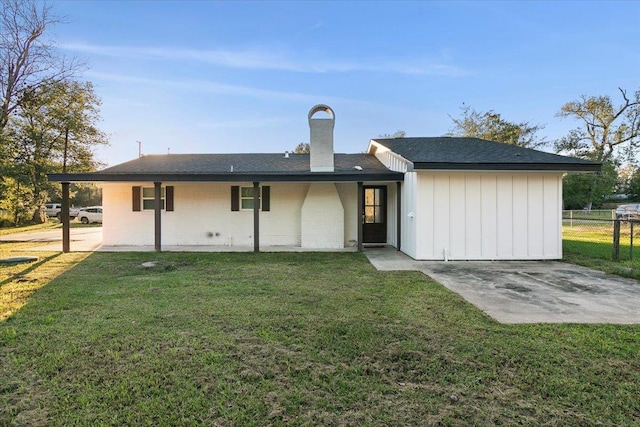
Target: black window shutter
x: 136, y: 198
x: 168, y: 195
x: 235, y: 198
x: 266, y: 198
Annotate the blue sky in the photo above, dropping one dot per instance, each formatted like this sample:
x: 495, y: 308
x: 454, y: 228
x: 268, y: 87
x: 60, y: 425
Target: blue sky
x: 207, y: 76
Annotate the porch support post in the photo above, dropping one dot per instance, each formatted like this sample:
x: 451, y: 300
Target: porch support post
x: 398, y: 214
x: 360, y: 195
x: 64, y: 216
x: 256, y: 217
x: 157, y: 210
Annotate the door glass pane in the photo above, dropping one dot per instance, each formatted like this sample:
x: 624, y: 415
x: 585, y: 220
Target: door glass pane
x: 369, y: 214
x: 369, y: 196
x: 377, y: 196
x: 378, y: 216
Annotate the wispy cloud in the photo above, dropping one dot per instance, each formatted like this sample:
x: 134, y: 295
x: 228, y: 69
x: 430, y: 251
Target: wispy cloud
x: 213, y: 87
x: 267, y: 59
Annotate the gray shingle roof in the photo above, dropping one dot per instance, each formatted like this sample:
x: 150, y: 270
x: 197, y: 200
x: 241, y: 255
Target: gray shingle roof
x: 424, y: 153
x: 238, y: 167
x: 474, y: 153
x: 265, y: 163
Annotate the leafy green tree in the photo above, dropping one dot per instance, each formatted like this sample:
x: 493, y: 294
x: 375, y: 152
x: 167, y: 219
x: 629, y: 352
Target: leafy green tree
x: 608, y: 134
x: 28, y: 61
x: 18, y: 199
x: 632, y: 187
x: 86, y: 194
x: 581, y: 191
x: 302, y: 148
x: 605, y: 127
x: 54, y: 129
x: 491, y: 126
x: 626, y: 174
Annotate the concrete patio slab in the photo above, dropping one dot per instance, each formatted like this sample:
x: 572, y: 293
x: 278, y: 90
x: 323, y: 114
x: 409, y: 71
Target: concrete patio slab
x: 215, y: 248
x: 529, y: 291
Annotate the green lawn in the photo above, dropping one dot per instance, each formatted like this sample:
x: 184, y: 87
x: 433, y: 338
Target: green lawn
x: 292, y: 339
x: 51, y: 224
x: 592, y: 247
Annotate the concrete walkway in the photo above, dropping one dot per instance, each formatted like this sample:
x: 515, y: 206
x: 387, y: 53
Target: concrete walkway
x: 528, y: 291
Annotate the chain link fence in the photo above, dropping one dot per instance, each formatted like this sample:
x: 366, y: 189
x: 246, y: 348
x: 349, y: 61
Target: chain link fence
x: 598, y: 234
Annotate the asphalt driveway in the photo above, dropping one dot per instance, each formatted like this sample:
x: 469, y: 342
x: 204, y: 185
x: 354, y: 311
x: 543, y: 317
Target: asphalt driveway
x: 529, y: 291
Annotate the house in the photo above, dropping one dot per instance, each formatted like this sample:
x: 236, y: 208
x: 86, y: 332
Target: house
x: 432, y: 198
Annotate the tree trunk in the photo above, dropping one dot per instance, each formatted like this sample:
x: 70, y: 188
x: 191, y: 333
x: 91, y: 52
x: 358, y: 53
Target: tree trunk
x: 39, y: 216
x: 66, y: 149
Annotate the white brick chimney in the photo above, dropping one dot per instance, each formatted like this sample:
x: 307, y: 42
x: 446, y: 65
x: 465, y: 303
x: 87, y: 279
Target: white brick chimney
x: 321, y: 140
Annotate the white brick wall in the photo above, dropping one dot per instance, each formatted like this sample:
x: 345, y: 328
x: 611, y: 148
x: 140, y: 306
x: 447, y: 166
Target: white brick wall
x: 321, y: 145
x: 348, y: 192
x: 322, y: 218
x: 203, y: 216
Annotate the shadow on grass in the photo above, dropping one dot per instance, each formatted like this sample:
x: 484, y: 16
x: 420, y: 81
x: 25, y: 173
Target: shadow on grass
x: 19, y: 284
x: 31, y: 267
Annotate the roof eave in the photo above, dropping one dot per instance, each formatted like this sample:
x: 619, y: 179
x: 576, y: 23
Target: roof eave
x: 226, y: 177
x: 555, y: 167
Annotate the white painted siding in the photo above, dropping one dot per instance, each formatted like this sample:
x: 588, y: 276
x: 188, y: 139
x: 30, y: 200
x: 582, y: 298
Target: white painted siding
x: 483, y: 216
x: 392, y: 214
x: 489, y: 213
x: 410, y: 200
x: 392, y: 160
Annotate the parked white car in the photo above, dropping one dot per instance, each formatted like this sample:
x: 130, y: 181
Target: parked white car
x: 54, y: 209
x: 631, y: 211
x: 90, y: 214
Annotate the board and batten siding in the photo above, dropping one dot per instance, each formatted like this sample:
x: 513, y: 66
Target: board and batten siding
x: 482, y: 216
x: 409, y: 223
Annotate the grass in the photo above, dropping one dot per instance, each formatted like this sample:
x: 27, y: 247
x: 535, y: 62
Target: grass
x: 51, y: 224
x: 30, y: 228
x: 293, y: 339
x: 607, y: 214
x: 593, y: 248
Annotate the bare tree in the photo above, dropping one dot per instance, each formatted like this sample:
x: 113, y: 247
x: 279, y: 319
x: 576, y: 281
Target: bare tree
x: 606, y: 127
x: 396, y: 134
x: 27, y: 59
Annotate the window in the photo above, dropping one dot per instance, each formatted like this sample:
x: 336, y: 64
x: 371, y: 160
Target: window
x: 242, y: 198
x: 142, y: 198
x: 148, y: 195
x: 246, y: 197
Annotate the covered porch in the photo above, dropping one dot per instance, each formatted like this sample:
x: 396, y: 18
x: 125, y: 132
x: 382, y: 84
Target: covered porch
x: 364, y: 211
